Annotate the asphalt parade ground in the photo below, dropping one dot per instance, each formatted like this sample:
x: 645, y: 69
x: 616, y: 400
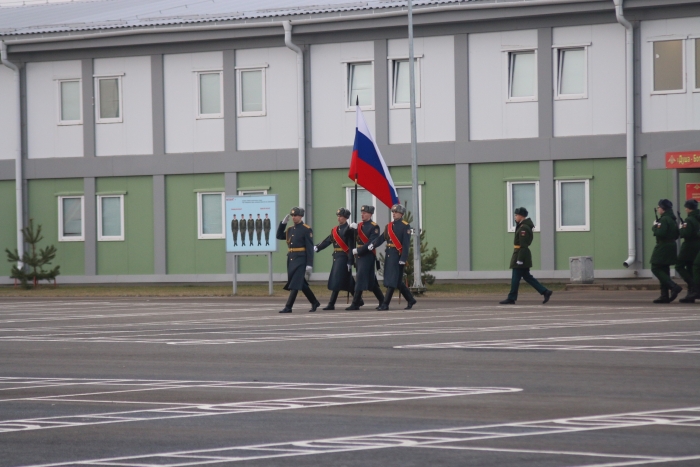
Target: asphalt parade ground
x: 590, y: 379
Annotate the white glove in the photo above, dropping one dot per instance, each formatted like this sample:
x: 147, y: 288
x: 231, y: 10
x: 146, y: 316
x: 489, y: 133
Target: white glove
x: 307, y: 273
x: 518, y: 262
x: 353, y: 225
x: 402, y: 263
x: 349, y: 267
x: 354, y: 251
x: 286, y: 218
x: 371, y: 247
x: 309, y: 268
x: 315, y: 248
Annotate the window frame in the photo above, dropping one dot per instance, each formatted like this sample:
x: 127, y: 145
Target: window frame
x: 392, y: 82
x: 200, y: 234
x: 684, y: 67
x: 349, y: 199
x: 81, y: 238
x: 507, y: 54
x: 252, y: 192
x: 695, y: 63
x: 60, y: 121
x: 197, y: 84
x: 511, y: 208
x: 420, y: 204
x: 348, y: 86
x: 574, y: 228
x: 110, y: 238
x: 558, y: 69
x: 119, y: 119
x: 239, y: 89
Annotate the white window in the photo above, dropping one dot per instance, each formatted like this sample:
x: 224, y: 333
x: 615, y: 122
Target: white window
x: 364, y: 198
x: 522, y: 76
x: 571, y: 73
x: 400, y: 83
x: 71, y: 219
x: 360, y: 85
x: 405, y: 194
x: 108, y: 97
x: 110, y: 218
x: 525, y: 195
x: 252, y: 192
x: 572, y: 205
x: 210, y: 94
x: 668, y: 67
x: 251, y: 92
x: 210, y: 215
x: 70, y: 102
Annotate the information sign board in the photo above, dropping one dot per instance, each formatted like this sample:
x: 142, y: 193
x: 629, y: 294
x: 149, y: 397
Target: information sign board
x: 251, y: 224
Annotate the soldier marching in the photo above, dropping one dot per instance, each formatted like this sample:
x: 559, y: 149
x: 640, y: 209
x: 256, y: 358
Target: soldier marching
x: 342, y: 238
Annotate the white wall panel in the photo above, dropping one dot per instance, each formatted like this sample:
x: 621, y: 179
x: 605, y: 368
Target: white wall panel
x: 435, y: 118
x: 490, y: 116
x: 603, y: 111
x: 278, y: 128
x: 134, y: 135
x: 332, y: 125
x: 183, y: 131
x: 46, y: 138
x: 669, y: 112
x: 9, y: 119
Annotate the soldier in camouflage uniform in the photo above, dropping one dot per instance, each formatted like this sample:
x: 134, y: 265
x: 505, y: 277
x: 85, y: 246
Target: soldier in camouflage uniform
x: 234, y: 230
x: 690, y: 233
x: 665, y: 252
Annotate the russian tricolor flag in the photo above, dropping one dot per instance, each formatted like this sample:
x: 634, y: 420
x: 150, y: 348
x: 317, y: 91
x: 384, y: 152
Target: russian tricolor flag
x: 367, y: 167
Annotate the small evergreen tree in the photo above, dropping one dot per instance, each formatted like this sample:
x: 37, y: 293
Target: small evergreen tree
x: 33, y: 261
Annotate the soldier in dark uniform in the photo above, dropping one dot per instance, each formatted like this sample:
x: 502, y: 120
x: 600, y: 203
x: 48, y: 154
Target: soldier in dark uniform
x: 365, y: 259
x: 300, y: 258
x: 342, y: 238
x: 521, y: 261
x: 234, y: 230
x: 251, y: 229
x: 665, y: 253
x: 267, y: 227
x: 690, y: 233
x: 397, y: 236
x: 242, y: 224
x: 258, y: 229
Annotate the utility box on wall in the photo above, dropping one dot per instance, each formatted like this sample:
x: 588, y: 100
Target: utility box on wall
x: 581, y: 269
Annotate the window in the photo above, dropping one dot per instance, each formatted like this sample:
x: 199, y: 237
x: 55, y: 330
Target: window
x: 110, y: 218
x: 400, y: 84
x: 571, y: 77
x: 697, y: 64
x: 209, y: 95
x: 252, y: 192
x: 364, y: 198
x: 405, y: 194
x: 527, y: 195
x: 522, y: 76
x: 360, y: 86
x: 70, y: 102
x: 572, y: 205
x: 210, y: 215
x: 71, y: 224
x: 668, y: 66
x: 251, y: 92
x: 109, y: 99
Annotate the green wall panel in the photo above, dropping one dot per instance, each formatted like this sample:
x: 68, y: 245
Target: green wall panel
x: 8, y: 228
x: 43, y: 208
x: 134, y: 255
x: 285, y: 184
x: 186, y: 254
x: 492, y: 244
x: 656, y: 184
x: 606, y: 242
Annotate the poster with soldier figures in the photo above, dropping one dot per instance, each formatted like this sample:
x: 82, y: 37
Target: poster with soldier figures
x: 250, y: 224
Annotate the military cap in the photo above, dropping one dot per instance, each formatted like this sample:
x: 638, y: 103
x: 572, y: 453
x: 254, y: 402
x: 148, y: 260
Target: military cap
x: 521, y: 211
x: 691, y: 204
x: 367, y: 208
x: 297, y: 212
x: 666, y: 205
x: 343, y: 212
x: 398, y: 208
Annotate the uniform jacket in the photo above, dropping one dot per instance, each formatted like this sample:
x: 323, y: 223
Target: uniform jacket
x: 666, y: 233
x: 297, y: 236
x: 366, y: 277
x: 234, y: 225
x: 258, y: 225
x: 266, y: 225
x: 691, y: 237
x: 521, y: 243
x: 393, y: 271
x: 242, y: 224
x: 340, y: 278
x: 251, y: 225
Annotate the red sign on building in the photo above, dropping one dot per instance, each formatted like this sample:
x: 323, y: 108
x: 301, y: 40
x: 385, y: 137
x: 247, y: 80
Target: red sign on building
x: 683, y: 160
x: 692, y: 191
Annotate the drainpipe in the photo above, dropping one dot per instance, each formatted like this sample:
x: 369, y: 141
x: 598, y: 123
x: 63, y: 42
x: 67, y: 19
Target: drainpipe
x: 18, y: 154
x: 629, y: 72
x: 301, y: 130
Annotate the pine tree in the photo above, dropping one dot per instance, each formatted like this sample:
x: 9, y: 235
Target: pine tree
x: 33, y: 260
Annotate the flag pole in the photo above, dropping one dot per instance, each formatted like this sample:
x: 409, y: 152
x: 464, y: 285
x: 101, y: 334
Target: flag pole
x: 417, y: 280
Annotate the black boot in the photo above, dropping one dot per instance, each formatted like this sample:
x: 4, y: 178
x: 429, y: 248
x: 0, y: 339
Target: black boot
x: 311, y: 298
x: 378, y: 293
x: 406, y: 292
x: 290, y: 301
x: 387, y: 299
x: 690, y: 296
x: 663, y: 298
x: 356, y: 301
x: 675, y: 290
x: 331, y: 302
x: 547, y: 294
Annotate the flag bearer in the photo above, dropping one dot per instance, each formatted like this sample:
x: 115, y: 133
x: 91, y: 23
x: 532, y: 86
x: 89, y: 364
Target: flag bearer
x: 342, y: 238
x: 300, y: 258
x: 665, y: 253
x: 366, y: 277
x: 397, y: 236
x: 690, y: 233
